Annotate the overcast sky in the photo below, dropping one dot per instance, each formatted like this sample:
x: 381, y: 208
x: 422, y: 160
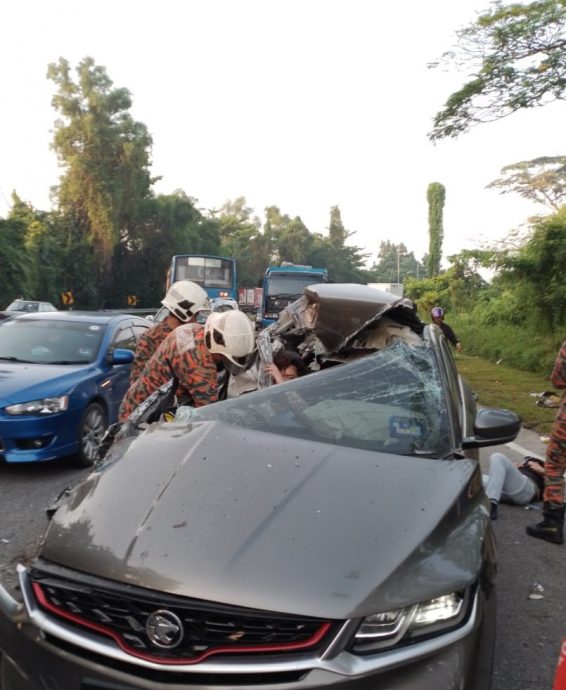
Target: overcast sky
x: 303, y: 104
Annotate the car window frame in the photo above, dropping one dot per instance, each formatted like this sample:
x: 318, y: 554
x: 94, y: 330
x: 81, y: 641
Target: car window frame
x: 121, y: 327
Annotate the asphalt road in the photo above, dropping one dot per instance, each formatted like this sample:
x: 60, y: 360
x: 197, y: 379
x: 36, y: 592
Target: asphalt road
x: 529, y: 630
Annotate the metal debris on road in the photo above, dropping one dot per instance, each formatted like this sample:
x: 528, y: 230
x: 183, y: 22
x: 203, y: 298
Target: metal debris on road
x: 536, y: 592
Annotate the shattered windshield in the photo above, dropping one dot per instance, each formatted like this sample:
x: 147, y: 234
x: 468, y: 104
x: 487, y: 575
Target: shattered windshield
x: 390, y: 401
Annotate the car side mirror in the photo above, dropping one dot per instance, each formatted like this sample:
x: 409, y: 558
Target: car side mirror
x: 493, y: 426
x: 121, y: 356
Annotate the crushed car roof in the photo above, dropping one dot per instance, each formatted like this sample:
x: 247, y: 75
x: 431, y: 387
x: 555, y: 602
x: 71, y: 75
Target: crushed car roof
x: 337, y: 312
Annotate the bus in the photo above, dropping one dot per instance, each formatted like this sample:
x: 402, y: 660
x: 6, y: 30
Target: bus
x: 216, y: 274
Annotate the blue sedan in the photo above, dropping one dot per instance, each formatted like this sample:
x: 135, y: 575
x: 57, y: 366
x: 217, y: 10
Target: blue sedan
x: 62, y: 378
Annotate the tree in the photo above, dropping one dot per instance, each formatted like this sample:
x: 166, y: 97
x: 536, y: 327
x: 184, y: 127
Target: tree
x: 167, y: 224
x: 542, y: 180
x: 44, y: 243
x: 104, y: 153
x: 240, y: 230
x: 13, y: 261
x: 436, y: 195
x: 517, y: 54
x: 536, y: 272
x: 394, y: 263
x: 337, y: 233
x: 294, y: 241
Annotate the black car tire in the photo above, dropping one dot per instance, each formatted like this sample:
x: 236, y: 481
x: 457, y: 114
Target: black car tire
x: 91, y: 430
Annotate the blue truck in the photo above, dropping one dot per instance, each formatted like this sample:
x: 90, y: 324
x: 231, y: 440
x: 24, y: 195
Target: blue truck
x: 284, y: 284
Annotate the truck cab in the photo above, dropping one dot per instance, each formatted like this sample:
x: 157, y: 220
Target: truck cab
x: 284, y: 284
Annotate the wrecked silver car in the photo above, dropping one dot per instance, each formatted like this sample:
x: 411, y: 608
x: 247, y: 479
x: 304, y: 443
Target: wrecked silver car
x: 331, y: 531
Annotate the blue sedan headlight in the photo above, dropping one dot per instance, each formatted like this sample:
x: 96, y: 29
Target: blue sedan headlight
x: 44, y: 406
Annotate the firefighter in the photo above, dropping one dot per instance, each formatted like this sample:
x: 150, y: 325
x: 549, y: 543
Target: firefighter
x: 552, y: 526
x: 183, y: 300
x: 190, y: 354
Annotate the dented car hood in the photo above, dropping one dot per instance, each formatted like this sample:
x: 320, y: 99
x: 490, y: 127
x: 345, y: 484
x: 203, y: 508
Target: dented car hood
x: 222, y: 513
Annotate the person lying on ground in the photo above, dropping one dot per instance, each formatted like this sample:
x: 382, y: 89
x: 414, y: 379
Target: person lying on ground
x: 509, y: 483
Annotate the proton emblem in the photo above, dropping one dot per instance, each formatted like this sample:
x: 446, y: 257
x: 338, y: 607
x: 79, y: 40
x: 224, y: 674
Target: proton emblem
x: 164, y: 629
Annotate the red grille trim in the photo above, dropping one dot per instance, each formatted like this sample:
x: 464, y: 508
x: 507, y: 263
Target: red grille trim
x: 103, y: 630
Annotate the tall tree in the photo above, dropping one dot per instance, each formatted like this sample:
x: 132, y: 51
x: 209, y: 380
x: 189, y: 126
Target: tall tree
x: 517, y: 54
x: 394, y: 263
x: 337, y: 233
x: 536, y: 272
x: 44, y: 244
x: 294, y: 242
x: 542, y: 180
x: 436, y: 195
x: 104, y: 153
x: 240, y: 230
x: 274, y: 226
x: 168, y: 224
x: 13, y: 261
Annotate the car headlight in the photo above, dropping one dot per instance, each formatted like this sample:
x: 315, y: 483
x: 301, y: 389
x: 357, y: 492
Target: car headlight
x: 400, y: 626
x: 41, y: 407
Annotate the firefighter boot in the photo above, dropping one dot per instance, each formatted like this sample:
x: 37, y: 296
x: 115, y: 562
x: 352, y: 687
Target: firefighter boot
x: 552, y: 526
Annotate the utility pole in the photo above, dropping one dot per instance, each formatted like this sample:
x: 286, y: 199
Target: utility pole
x: 399, y: 255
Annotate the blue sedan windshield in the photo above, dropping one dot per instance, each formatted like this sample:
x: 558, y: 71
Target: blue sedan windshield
x: 50, y: 342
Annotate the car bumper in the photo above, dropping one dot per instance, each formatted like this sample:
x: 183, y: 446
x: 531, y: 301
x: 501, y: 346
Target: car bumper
x: 55, y: 435
x: 458, y: 660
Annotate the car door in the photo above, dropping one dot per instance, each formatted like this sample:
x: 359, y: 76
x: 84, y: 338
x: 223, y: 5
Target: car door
x: 119, y: 374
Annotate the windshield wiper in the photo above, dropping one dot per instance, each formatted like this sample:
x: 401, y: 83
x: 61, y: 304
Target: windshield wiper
x: 68, y: 361
x: 16, y: 359
x: 285, y: 294
x: 454, y: 455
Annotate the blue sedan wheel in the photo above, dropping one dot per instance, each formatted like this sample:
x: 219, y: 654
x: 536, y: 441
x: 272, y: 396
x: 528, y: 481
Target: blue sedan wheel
x: 91, y: 431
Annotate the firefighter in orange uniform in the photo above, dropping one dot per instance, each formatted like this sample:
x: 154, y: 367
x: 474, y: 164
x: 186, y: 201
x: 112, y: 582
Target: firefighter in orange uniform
x: 190, y: 354
x: 183, y: 300
x: 552, y: 526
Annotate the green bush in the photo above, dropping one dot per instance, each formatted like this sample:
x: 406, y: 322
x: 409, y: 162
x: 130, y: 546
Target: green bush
x: 516, y: 346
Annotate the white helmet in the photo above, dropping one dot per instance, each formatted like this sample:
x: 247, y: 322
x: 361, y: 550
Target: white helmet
x: 230, y: 333
x: 184, y: 299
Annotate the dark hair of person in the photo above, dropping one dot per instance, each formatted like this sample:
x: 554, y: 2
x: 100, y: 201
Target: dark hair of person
x: 286, y: 358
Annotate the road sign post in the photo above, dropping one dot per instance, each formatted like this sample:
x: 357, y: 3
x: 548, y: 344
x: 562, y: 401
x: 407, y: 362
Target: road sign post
x: 67, y: 298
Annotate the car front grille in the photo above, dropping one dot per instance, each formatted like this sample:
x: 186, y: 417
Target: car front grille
x: 174, y: 630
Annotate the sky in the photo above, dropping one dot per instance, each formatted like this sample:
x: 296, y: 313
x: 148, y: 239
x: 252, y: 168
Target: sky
x: 302, y: 104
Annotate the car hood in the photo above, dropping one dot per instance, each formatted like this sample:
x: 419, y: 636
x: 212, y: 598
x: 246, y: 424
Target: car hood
x: 19, y: 381
x: 220, y: 513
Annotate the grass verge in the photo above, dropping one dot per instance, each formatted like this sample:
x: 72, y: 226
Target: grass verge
x: 498, y: 385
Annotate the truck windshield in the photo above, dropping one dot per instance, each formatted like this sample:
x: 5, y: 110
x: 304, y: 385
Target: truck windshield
x: 291, y: 284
